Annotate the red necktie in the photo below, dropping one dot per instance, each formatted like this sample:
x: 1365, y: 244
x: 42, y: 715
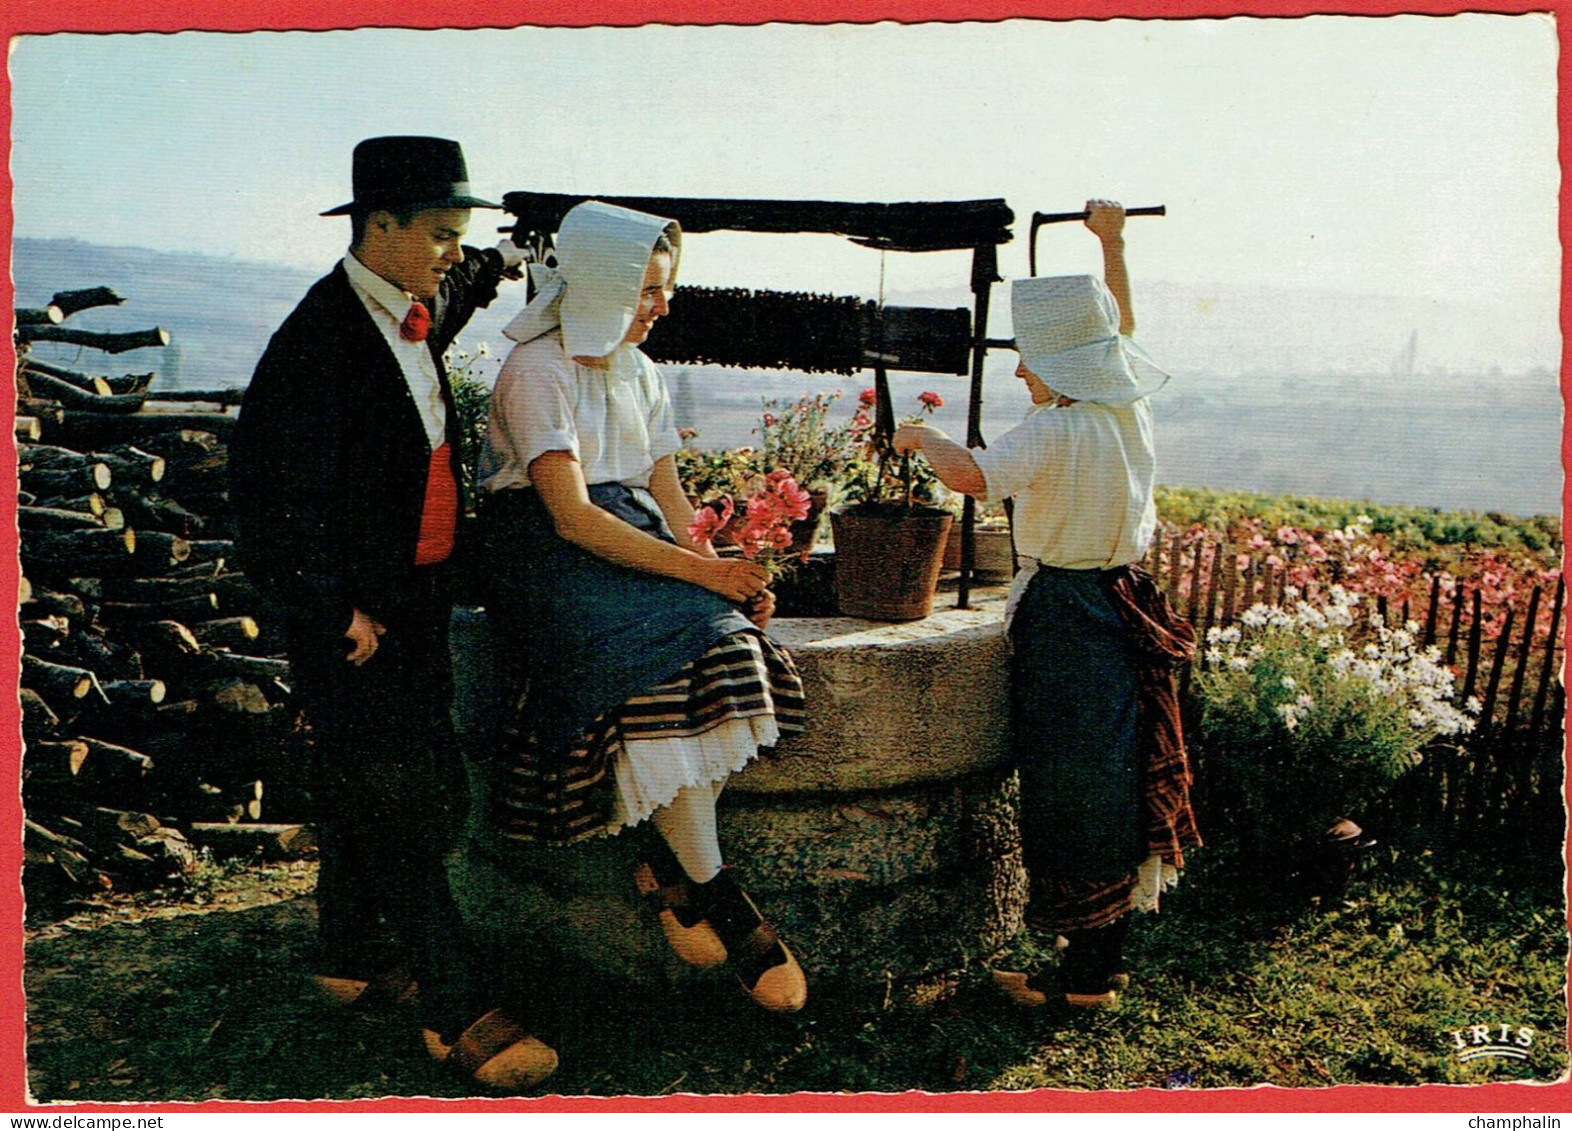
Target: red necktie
x: 416, y: 324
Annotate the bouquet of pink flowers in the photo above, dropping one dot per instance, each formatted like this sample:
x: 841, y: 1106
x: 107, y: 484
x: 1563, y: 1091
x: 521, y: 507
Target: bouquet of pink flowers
x: 765, y: 530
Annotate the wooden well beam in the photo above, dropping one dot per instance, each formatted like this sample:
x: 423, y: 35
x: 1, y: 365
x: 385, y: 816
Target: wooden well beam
x: 908, y: 226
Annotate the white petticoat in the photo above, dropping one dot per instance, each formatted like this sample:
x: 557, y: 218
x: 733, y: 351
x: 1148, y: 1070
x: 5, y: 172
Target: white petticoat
x: 650, y: 772
x: 1154, y: 877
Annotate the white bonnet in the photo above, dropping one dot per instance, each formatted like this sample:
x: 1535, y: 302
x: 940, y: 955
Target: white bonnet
x: 1067, y: 332
x: 593, y: 292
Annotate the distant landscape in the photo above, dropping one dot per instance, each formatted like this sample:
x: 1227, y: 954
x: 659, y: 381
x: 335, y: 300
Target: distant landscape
x: 1387, y: 399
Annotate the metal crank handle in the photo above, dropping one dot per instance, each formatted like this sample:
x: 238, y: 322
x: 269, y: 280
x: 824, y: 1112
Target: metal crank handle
x: 1041, y: 218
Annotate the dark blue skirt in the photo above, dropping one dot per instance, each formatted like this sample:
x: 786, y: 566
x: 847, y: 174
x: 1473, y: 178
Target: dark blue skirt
x: 584, y: 632
x: 1073, y: 702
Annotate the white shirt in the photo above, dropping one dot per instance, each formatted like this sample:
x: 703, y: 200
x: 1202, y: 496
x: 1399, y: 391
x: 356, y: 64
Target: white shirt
x: 616, y: 422
x: 1082, y: 477
x: 387, y: 306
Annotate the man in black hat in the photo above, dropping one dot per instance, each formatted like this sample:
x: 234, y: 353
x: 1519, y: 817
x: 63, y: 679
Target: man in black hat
x: 345, y: 481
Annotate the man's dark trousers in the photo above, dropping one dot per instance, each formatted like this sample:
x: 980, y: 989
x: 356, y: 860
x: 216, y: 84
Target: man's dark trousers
x: 390, y: 794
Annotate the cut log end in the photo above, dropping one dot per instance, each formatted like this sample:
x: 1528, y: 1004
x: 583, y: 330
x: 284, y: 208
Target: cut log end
x: 40, y: 316
x: 269, y: 841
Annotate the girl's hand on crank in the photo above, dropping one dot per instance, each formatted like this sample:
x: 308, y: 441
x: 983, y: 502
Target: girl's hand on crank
x: 1105, y: 218
x: 736, y: 579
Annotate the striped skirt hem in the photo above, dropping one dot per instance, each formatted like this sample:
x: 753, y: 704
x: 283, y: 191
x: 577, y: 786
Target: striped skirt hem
x: 684, y: 730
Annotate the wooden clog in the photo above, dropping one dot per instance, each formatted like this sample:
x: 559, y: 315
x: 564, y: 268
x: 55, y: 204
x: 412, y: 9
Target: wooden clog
x: 496, y: 1051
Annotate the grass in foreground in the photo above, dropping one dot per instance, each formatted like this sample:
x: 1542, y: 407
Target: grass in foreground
x: 1228, y: 994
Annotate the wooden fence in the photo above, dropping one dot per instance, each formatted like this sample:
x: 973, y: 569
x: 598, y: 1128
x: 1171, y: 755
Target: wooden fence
x: 1505, y: 780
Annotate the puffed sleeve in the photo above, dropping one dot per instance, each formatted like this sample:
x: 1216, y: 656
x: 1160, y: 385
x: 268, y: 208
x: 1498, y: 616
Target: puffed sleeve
x: 1037, y: 447
x: 531, y: 411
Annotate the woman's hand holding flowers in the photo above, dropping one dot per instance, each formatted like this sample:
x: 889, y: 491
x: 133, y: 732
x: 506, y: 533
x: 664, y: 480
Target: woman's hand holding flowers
x: 760, y: 609
x: 736, y: 579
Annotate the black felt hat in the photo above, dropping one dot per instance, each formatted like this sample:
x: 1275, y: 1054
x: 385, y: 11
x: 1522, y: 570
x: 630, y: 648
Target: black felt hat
x: 409, y: 172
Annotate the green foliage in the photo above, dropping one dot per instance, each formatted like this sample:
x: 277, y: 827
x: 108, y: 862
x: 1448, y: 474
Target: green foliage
x: 472, y: 399
x: 898, y: 480
x: 1410, y: 529
x: 217, y: 1007
x: 797, y: 437
x: 722, y: 471
x: 878, y: 476
x: 1370, y: 992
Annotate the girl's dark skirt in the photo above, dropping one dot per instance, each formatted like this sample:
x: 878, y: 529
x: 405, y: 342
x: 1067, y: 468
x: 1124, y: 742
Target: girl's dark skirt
x: 1098, y: 745
x: 595, y: 653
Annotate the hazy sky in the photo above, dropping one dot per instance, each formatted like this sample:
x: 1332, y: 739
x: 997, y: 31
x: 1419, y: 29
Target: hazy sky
x: 1409, y: 155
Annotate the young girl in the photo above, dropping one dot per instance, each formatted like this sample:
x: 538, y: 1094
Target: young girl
x: 644, y: 684
x: 1105, y: 807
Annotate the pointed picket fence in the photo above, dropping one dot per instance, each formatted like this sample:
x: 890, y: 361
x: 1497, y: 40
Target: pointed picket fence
x: 1506, y: 778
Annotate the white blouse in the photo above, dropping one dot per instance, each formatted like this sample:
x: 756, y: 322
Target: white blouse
x: 1082, y: 477
x: 616, y: 422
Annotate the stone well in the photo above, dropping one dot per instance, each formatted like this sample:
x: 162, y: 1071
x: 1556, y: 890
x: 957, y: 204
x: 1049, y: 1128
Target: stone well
x: 880, y: 842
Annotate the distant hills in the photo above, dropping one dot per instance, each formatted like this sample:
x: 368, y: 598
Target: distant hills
x: 220, y: 312
x: 1391, y: 399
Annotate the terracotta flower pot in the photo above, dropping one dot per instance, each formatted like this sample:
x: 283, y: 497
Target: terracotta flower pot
x: 995, y: 558
x: 887, y: 560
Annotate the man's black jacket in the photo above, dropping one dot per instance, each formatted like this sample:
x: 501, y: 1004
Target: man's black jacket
x: 329, y: 459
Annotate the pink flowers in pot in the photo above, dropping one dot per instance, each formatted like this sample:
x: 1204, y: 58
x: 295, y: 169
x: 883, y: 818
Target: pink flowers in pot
x: 765, y: 529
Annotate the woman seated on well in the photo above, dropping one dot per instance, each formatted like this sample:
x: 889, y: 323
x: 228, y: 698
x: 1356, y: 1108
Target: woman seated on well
x: 643, y: 684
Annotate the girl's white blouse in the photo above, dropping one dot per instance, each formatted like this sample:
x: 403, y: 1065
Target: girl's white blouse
x: 617, y: 422
x: 1083, y: 479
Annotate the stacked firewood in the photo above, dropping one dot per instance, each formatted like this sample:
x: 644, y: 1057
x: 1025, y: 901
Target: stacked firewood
x: 154, y: 700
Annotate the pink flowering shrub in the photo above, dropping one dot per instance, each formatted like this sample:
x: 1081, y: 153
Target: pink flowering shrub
x: 1300, y: 561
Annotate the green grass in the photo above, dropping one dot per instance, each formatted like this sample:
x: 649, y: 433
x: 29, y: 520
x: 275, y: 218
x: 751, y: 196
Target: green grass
x: 1229, y: 992
x: 1234, y: 995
